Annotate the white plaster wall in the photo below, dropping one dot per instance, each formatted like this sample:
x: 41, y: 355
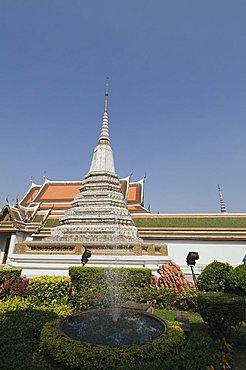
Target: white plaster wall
x: 209, y: 251
x: 41, y: 264
x: 17, y: 238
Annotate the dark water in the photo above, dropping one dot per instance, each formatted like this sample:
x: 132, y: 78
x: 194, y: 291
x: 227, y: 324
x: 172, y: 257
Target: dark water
x: 97, y: 327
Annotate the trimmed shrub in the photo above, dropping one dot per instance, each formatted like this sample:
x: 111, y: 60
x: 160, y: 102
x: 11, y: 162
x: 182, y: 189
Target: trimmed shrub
x: 10, y: 274
x: 20, y: 330
x: 237, y: 280
x: 19, y: 303
x: 222, y: 312
x: 214, y: 277
x: 77, y: 355
x: 85, y: 278
x: 49, y: 289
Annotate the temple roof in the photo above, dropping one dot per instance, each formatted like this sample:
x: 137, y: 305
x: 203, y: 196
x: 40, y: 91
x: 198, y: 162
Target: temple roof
x: 60, y: 194
x: 151, y: 226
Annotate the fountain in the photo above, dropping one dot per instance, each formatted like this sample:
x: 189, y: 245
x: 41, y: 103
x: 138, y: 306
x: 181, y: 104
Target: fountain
x: 114, y: 326
x: 96, y: 327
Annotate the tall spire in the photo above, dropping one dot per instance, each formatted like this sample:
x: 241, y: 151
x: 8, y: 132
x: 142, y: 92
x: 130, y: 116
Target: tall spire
x: 222, y: 203
x: 103, y: 160
x: 104, y: 136
x: 106, y: 98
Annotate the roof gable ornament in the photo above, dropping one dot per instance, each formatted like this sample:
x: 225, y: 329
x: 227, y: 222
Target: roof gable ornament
x: 222, y: 203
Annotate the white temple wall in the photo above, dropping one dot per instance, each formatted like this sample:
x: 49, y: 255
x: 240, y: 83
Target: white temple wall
x: 19, y: 237
x: 209, y: 251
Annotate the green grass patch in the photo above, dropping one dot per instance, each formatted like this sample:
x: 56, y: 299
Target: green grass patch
x: 170, y: 315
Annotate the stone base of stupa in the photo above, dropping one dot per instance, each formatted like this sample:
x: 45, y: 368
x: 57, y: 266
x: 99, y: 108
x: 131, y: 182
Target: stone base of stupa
x: 55, y: 258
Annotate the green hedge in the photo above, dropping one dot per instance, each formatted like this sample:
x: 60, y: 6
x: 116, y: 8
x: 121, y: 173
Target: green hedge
x: 11, y: 274
x: 214, y: 277
x: 92, y: 286
x: 49, y: 289
x: 84, y: 278
x: 237, y: 280
x: 76, y: 355
x: 19, y: 339
x: 222, y: 312
x: 21, y: 323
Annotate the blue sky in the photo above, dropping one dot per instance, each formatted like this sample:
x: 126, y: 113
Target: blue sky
x: 177, y: 80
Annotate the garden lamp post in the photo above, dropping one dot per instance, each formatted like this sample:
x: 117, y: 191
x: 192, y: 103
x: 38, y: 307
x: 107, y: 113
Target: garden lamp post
x: 85, y: 256
x: 191, y: 261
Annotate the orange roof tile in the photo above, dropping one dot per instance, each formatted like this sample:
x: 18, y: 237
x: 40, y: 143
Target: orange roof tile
x: 58, y: 192
x: 31, y: 194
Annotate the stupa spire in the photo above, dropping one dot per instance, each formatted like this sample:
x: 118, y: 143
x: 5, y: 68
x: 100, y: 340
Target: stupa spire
x: 103, y: 160
x: 222, y: 203
x: 104, y: 136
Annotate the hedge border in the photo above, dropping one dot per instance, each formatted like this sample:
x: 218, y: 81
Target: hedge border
x: 77, y: 355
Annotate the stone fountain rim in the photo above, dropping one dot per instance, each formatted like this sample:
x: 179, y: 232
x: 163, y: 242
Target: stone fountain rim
x: 94, y: 310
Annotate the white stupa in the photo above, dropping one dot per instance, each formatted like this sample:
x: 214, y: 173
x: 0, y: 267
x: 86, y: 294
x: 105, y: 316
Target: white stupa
x: 99, y: 213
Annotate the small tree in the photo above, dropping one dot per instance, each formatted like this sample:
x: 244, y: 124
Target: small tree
x: 222, y: 312
x: 214, y: 277
x: 237, y: 280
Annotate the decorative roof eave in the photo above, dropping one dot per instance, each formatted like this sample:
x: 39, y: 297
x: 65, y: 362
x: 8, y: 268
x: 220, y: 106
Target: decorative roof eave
x: 27, y: 218
x: 140, y: 211
x: 32, y: 187
x: 125, y: 180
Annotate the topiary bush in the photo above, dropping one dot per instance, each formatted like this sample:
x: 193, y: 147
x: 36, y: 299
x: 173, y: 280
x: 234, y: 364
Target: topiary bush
x: 10, y: 274
x: 49, y: 289
x: 222, y: 312
x: 77, y: 355
x: 214, y: 277
x: 237, y: 280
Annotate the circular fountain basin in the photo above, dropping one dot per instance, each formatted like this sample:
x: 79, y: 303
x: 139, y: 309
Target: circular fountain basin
x: 97, y: 327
